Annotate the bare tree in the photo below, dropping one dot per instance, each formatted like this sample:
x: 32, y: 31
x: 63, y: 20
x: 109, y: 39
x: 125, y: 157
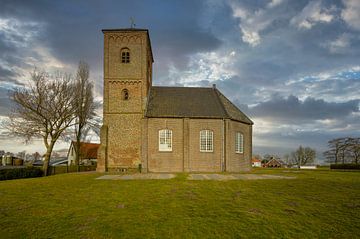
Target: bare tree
x: 303, y: 156
x: 43, y: 108
x: 353, y: 149
x: 343, y: 149
x: 84, y: 107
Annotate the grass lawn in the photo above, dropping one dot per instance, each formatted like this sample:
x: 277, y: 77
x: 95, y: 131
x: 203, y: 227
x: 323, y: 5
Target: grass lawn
x: 317, y: 204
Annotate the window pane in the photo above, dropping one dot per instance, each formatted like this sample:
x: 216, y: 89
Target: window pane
x: 206, y: 141
x: 165, y: 140
x: 125, y: 56
x: 239, y: 142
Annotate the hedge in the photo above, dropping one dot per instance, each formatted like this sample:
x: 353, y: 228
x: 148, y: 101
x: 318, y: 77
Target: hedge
x: 14, y: 173
x: 345, y: 166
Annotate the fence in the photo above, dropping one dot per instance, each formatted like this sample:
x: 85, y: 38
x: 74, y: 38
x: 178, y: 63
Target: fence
x: 70, y: 169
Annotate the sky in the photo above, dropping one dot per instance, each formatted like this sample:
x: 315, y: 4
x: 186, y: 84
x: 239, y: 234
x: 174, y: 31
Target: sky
x: 293, y: 66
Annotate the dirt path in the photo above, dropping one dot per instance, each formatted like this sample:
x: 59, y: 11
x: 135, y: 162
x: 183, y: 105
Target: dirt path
x: 198, y: 176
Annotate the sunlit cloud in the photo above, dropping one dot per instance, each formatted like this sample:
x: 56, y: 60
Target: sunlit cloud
x: 312, y: 14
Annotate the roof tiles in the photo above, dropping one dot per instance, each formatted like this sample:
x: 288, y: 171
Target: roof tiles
x: 191, y: 102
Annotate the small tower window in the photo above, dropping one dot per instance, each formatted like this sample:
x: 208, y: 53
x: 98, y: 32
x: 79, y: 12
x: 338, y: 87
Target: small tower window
x: 125, y: 55
x: 125, y: 94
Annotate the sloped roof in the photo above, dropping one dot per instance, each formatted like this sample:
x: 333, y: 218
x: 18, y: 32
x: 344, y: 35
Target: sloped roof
x: 191, y: 102
x: 275, y: 161
x: 87, y: 150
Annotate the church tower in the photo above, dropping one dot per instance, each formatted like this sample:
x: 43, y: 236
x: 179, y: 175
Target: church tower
x: 127, y: 79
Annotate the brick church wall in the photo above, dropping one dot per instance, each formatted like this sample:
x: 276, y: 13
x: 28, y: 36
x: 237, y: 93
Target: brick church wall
x: 165, y: 161
x: 238, y: 161
x: 185, y: 155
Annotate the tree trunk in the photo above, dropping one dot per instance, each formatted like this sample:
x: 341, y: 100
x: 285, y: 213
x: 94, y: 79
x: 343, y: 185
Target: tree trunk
x: 47, y: 158
x: 77, y: 154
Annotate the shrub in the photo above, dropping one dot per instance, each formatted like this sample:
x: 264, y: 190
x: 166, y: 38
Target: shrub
x: 345, y: 166
x: 14, y: 173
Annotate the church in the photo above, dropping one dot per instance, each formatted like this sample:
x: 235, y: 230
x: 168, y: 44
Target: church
x: 160, y: 128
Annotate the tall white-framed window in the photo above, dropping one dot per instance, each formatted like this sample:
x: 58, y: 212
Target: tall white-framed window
x: 206, y: 141
x: 165, y: 140
x: 239, y: 143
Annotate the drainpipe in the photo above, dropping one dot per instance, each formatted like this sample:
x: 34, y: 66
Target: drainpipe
x: 223, y: 168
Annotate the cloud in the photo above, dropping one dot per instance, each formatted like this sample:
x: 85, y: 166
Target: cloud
x: 274, y: 3
x: 209, y: 67
x: 293, y: 110
x: 339, y: 45
x: 312, y: 14
x: 5, y: 102
x: 252, y: 50
x: 23, y: 49
x: 251, y: 23
x: 350, y: 14
x: 331, y: 85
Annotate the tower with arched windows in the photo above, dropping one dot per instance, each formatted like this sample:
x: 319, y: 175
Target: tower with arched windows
x: 164, y: 129
x: 127, y: 79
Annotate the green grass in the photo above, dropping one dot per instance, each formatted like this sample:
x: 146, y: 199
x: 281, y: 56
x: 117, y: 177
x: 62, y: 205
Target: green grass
x: 317, y: 204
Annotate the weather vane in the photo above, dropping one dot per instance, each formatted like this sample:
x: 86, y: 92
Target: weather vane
x: 132, y: 22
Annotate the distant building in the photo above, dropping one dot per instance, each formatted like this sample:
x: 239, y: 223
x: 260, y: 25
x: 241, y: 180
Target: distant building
x: 88, y: 153
x: 308, y: 167
x: 274, y: 163
x: 255, y: 162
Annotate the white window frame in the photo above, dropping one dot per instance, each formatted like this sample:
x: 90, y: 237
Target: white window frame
x: 239, y: 143
x: 165, y: 140
x: 206, y: 140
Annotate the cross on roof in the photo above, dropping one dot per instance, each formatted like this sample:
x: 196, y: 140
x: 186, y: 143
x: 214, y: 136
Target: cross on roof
x: 132, y: 22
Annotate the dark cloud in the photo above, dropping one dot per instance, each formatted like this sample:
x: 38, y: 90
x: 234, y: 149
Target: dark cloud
x: 6, y: 74
x: 295, y: 110
x: 5, y: 102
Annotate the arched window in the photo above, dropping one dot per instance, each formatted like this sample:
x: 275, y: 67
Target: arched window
x: 206, y: 141
x: 239, y: 143
x: 125, y: 55
x: 125, y: 94
x: 165, y: 140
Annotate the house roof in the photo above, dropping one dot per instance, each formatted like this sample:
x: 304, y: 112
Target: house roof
x: 191, y: 102
x: 87, y: 150
x: 132, y: 30
x: 275, y: 161
x: 254, y: 160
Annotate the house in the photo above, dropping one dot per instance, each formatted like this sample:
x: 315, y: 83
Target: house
x: 164, y: 129
x: 88, y: 153
x: 9, y: 160
x: 274, y: 163
x: 255, y: 162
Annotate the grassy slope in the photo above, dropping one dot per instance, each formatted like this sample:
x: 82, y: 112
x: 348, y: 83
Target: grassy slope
x: 318, y: 204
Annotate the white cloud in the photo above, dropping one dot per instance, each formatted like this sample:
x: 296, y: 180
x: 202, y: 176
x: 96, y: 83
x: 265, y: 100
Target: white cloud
x: 251, y: 37
x: 337, y: 85
x: 210, y: 66
x: 312, y: 14
x: 252, y: 23
x: 274, y: 3
x: 351, y: 13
